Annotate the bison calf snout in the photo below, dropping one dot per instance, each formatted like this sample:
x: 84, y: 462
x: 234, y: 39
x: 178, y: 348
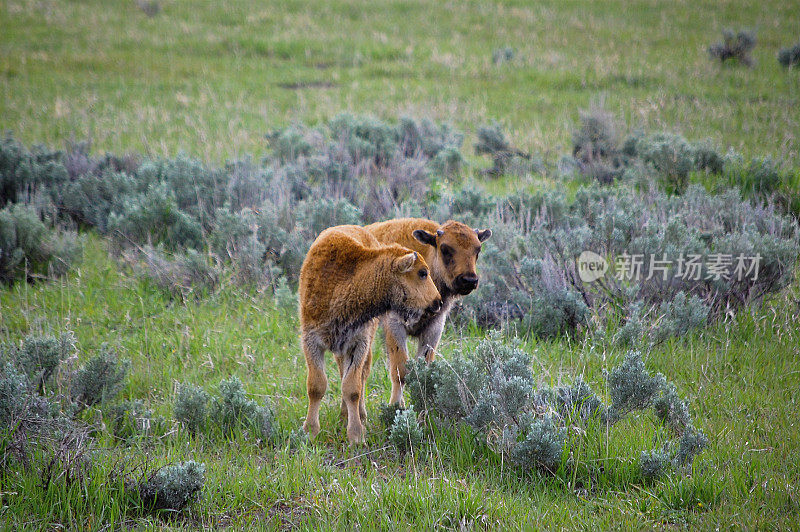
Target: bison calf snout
x: 466, y: 283
x: 436, y: 306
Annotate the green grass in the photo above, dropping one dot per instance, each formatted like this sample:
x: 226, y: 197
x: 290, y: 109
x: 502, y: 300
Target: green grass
x: 212, y: 78
x: 739, y: 377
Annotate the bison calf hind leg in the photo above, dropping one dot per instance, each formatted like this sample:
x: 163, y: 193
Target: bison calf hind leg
x: 353, y: 389
x: 316, y: 383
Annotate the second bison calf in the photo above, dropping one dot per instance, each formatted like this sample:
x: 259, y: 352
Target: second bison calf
x: 349, y: 279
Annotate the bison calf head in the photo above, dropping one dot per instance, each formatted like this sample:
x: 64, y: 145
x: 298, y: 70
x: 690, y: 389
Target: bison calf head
x: 457, y: 248
x: 418, y: 293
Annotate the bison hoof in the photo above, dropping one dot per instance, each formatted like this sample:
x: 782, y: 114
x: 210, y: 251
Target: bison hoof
x: 356, y: 436
x: 311, y: 428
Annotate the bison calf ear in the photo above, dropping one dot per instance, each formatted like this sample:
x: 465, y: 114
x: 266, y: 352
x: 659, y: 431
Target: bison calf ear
x: 483, y: 234
x: 424, y: 237
x: 405, y: 263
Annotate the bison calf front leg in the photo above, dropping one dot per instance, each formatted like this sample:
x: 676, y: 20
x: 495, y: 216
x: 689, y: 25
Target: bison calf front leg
x: 430, y: 336
x: 398, y: 356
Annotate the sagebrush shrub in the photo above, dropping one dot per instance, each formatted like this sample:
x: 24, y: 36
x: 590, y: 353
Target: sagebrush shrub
x: 595, y: 145
x: 679, y: 316
x: 492, y: 141
x: 180, y: 274
x: 530, y: 278
x: 429, y: 139
x: 654, y: 463
x: 672, y: 410
x: 633, y: 330
x: 491, y: 388
x: 503, y: 55
x: 91, y: 198
x: 316, y: 215
x: 130, y: 419
x: 789, y: 57
x: 190, y: 407
x: 172, y: 487
x: 691, y: 444
x: 672, y: 156
x: 405, y: 433
x: 761, y: 177
x: 154, y: 217
x: 708, y: 159
x: 28, y: 246
x: 288, y: 144
x: 100, y: 378
x: 14, y: 394
x: 387, y: 413
x: 541, y: 446
x: 365, y: 138
x: 232, y: 410
x: 39, y: 356
x: 576, y: 402
x: 734, y: 46
x: 631, y: 387
x: 25, y: 173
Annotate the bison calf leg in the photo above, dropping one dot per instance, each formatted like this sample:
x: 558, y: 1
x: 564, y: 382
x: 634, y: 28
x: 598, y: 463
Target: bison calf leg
x: 353, y: 389
x: 343, y: 406
x: 316, y: 383
x: 365, y: 370
x: 398, y: 356
x: 429, y: 338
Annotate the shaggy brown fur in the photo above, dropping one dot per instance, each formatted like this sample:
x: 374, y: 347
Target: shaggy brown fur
x: 452, y: 251
x: 347, y: 281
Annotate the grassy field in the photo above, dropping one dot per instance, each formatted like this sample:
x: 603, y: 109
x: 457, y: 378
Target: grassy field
x: 740, y: 379
x: 211, y: 78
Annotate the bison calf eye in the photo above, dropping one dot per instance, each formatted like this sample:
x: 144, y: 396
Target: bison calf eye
x: 447, y: 251
x: 423, y: 274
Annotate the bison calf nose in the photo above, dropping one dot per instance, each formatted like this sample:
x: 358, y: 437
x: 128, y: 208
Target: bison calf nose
x: 466, y: 283
x: 436, y: 306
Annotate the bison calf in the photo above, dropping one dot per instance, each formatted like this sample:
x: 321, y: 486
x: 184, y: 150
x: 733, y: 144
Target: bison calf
x: 349, y: 279
x: 451, y: 250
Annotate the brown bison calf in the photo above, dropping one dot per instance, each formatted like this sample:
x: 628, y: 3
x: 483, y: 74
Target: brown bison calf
x: 452, y: 251
x: 349, y: 279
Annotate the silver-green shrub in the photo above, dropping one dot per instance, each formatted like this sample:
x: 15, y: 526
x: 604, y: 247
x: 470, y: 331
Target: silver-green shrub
x: 492, y: 141
x: 39, y: 356
x: 631, y: 387
x: 30, y: 248
x: 691, y: 444
x: 405, y: 433
x: 541, y: 446
x: 232, y: 409
x: 577, y: 402
x: 672, y: 410
x: 180, y: 274
x: 789, y: 57
x: 172, y: 487
x: 155, y: 217
x: 529, y: 278
x: 491, y: 389
x: 131, y: 419
x: 99, y: 379
x: 190, y: 407
x: 654, y: 463
x: 679, y: 316
x: 387, y: 413
x: 734, y: 46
